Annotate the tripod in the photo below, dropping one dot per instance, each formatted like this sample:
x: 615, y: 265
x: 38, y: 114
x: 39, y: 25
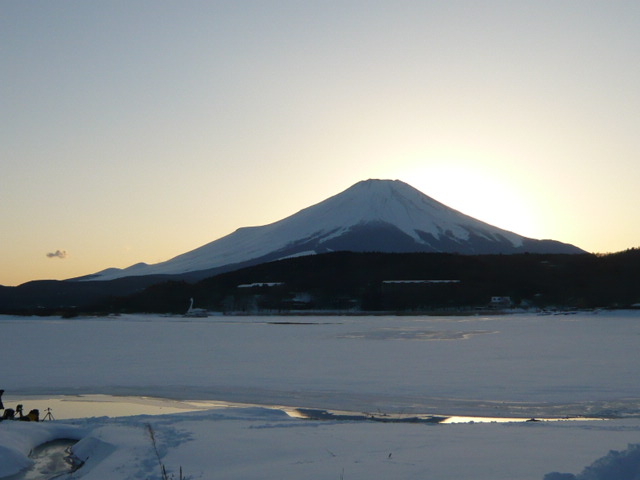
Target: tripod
x: 48, y: 415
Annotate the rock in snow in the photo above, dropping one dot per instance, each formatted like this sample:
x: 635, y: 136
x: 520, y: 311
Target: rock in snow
x: 372, y: 215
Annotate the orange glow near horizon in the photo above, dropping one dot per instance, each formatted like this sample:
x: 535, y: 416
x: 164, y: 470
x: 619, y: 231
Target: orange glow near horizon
x: 197, y: 120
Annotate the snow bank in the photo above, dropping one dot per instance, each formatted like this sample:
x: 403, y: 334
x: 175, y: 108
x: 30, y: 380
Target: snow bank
x: 17, y: 439
x: 117, y: 451
x: 257, y: 443
x: 615, y: 465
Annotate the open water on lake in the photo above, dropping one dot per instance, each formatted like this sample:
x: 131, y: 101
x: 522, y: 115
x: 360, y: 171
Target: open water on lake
x: 51, y: 460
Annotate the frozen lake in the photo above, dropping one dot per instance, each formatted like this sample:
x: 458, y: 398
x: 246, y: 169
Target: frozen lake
x: 154, y: 367
x: 512, y: 365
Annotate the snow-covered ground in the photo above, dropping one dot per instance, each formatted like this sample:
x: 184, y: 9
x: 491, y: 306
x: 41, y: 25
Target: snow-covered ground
x: 517, y: 365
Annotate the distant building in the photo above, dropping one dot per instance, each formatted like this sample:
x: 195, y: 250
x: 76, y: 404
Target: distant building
x: 500, y: 302
x: 260, y: 284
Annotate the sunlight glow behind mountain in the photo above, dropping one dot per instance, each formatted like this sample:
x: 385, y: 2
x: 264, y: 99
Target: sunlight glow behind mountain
x: 495, y: 199
x: 371, y: 216
x: 136, y: 131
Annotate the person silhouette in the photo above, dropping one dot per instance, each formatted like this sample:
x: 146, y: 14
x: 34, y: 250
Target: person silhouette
x: 1, y: 405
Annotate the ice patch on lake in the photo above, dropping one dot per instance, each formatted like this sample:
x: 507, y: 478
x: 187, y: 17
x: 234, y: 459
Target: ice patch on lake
x: 414, y: 334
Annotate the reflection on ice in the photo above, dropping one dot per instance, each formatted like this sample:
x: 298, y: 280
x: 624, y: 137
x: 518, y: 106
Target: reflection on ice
x: 85, y: 406
x: 461, y: 419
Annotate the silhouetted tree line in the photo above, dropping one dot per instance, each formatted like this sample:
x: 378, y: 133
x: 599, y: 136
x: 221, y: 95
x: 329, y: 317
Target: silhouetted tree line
x: 345, y: 280
x: 360, y: 281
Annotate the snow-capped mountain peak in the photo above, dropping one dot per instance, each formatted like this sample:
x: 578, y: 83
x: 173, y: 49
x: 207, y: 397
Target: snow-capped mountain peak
x: 372, y: 215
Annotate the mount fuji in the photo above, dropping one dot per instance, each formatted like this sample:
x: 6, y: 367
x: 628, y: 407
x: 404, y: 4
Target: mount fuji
x: 372, y: 215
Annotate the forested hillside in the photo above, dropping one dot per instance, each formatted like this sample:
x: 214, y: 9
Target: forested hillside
x: 405, y: 282
x: 369, y: 282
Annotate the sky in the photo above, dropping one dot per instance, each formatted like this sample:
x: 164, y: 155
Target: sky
x: 134, y: 131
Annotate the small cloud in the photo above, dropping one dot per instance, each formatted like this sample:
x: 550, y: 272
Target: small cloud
x: 57, y: 254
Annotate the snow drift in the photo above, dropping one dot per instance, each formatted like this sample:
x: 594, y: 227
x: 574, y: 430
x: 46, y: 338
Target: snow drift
x: 615, y: 465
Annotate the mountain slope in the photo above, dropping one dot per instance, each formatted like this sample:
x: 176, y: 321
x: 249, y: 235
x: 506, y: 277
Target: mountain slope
x: 372, y: 215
